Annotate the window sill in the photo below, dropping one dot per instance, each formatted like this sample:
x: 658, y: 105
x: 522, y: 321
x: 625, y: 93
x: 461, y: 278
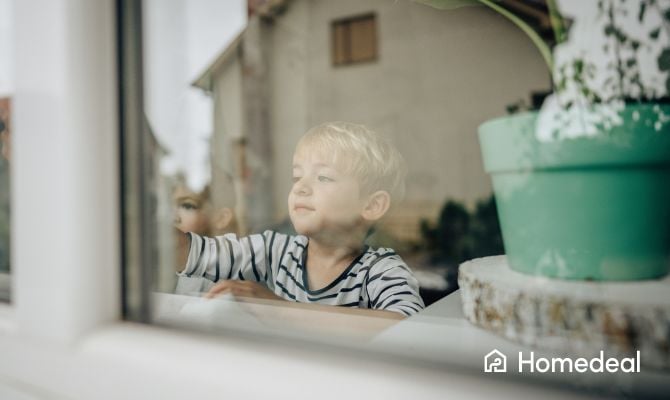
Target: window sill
x: 126, y: 360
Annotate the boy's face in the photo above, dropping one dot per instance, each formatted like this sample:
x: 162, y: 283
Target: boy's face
x: 324, y: 197
x: 190, y: 213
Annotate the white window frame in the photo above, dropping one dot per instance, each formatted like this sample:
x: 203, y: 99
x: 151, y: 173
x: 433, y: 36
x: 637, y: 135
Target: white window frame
x: 62, y: 336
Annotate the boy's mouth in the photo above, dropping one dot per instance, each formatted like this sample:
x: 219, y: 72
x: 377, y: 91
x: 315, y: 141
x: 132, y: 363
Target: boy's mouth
x: 302, y: 207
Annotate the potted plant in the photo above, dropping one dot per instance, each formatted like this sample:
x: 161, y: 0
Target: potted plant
x: 583, y: 185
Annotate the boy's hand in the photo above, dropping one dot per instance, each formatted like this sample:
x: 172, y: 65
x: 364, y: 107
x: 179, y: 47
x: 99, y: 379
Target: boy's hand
x: 242, y: 289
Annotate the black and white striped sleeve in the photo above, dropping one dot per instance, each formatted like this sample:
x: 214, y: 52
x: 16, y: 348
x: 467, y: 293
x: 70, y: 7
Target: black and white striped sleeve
x: 392, y: 286
x: 227, y: 257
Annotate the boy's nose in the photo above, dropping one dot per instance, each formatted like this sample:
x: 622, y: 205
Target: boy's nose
x: 301, y: 188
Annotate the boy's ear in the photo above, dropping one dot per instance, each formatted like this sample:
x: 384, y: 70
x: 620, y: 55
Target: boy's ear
x: 377, y: 205
x: 222, y: 218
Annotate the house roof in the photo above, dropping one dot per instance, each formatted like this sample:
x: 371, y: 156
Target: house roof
x: 204, y: 79
x: 266, y: 8
x: 263, y: 9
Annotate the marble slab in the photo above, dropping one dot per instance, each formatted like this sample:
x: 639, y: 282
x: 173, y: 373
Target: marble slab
x: 570, y: 317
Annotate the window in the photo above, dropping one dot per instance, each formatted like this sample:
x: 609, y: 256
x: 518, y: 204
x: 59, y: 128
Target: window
x: 354, y: 40
x: 222, y: 224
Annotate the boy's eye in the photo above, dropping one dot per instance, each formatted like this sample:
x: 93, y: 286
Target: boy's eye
x: 188, y: 206
x: 296, y: 179
x: 325, y: 179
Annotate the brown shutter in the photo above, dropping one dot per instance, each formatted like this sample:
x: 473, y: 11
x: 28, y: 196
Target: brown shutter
x: 363, y: 40
x: 340, y: 43
x: 354, y: 40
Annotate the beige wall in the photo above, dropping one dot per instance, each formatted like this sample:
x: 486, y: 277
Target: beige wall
x: 227, y: 93
x: 227, y: 96
x: 439, y: 75
x: 290, y: 105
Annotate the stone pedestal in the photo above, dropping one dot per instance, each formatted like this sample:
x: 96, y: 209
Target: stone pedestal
x: 571, y: 317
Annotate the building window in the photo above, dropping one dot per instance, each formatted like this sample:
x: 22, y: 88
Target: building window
x: 354, y: 40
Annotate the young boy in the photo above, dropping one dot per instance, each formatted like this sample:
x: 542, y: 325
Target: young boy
x: 344, y: 179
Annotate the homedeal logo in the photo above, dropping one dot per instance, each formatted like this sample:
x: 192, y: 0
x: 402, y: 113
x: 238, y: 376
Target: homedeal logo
x: 495, y: 361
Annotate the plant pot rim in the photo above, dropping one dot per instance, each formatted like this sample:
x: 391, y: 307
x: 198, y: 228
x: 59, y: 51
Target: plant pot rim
x: 509, y: 143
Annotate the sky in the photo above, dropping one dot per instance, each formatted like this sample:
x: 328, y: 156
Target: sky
x: 182, y: 38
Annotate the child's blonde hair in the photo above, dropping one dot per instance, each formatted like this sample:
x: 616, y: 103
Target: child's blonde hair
x: 371, y: 158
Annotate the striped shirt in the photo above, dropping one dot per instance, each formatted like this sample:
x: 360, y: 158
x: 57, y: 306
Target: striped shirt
x: 377, y: 279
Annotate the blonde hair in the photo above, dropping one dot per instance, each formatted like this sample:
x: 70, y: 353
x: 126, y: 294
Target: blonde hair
x: 371, y: 158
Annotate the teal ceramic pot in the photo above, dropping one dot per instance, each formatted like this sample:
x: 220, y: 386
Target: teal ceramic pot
x: 589, y: 208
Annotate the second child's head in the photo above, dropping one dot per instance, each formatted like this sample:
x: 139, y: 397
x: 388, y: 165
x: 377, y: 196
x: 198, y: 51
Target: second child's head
x: 194, y: 211
x: 345, y: 179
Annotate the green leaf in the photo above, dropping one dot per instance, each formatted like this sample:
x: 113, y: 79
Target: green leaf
x: 664, y: 60
x: 621, y: 36
x: 448, y: 4
x: 654, y: 34
x: 666, y: 14
x: 643, y: 10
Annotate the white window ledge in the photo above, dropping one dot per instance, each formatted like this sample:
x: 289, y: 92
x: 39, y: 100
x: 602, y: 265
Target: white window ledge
x: 129, y: 361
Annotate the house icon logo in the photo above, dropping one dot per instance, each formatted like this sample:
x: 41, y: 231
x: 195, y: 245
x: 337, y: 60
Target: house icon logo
x: 495, y: 361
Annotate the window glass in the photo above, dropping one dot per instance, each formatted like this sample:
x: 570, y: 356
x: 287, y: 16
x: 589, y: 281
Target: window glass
x: 279, y: 183
x: 6, y: 91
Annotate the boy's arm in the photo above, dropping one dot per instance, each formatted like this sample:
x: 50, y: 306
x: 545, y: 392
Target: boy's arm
x: 222, y: 257
x: 392, y: 287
